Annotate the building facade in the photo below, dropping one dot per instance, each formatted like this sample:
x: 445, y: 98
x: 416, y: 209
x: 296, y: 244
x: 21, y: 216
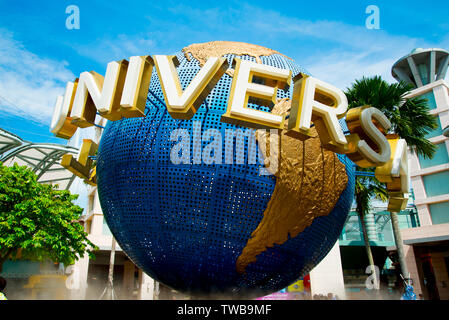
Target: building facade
x: 427, y: 246
x: 424, y: 224
x: 88, y: 278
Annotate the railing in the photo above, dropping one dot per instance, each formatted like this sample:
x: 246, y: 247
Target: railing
x: 352, y: 230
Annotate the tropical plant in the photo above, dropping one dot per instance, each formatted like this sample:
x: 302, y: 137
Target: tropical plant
x: 38, y: 221
x: 367, y: 188
x: 410, y: 119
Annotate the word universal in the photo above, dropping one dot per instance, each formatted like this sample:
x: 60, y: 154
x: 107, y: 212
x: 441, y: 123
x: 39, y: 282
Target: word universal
x: 122, y: 93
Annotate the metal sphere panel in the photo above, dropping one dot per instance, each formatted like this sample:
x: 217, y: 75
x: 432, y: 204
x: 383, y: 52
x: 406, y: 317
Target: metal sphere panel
x: 185, y: 225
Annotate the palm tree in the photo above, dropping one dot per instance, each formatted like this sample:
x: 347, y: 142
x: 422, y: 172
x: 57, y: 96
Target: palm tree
x: 410, y: 119
x: 367, y: 188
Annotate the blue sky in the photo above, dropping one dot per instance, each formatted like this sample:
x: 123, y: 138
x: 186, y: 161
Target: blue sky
x: 38, y: 54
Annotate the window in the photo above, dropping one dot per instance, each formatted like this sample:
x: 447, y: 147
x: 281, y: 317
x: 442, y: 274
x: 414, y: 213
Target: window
x: 424, y: 73
x: 106, y: 230
x: 436, y: 183
x: 431, y: 103
x: 441, y: 157
x: 437, y: 132
x: 439, y: 212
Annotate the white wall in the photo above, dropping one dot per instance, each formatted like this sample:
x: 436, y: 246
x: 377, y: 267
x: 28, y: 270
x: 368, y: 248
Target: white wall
x: 327, y: 276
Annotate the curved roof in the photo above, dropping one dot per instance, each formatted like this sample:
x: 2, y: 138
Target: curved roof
x: 43, y: 158
x: 8, y: 141
x: 435, y: 60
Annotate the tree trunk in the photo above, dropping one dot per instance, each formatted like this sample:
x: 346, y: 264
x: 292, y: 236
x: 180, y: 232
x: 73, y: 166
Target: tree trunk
x: 399, y: 245
x: 369, y: 252
x: 108, y: 293
x: 111, y: 263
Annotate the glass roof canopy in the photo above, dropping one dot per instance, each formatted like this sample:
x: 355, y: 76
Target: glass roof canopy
x: 43, y: 158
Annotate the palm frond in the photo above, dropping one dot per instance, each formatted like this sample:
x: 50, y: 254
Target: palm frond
x: 410, y: 118
x: 366, y: 189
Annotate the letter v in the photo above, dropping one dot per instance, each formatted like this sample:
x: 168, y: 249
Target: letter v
x: 184, y: 104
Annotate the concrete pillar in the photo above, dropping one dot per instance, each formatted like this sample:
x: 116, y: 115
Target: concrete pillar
x: 327, y: 276
x: 96, y: 226
x: 413, y: 268
x: 441, y: 96
x: 128, y: 279
x: 424, y: 215
x: 441, y: 275
x: 77, y: 278
x: 96, y: 206
x: 146, y: 286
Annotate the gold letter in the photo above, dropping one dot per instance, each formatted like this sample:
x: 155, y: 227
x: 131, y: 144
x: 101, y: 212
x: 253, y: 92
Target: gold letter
x: 322, y: 103
x: 82, y: 166
x: 183, y: 105
x: 367, y: 145
x: 135, y: 90
x: 243, y: 87
x: 61, y: 123
x: 395, y: 174
x: 97, y: 93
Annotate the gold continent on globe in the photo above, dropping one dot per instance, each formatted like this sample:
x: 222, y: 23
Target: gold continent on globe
x: 203, y: 51
x: 216, y: 228
x: 310, y: 179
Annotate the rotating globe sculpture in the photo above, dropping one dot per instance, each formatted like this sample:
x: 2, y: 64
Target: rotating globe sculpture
x: 220, y: 228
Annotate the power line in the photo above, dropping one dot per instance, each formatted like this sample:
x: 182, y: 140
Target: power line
x: 25, y: 131
x: 10, y: 103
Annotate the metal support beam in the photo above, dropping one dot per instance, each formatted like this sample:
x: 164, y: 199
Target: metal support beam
x: 70, y: 181
x: 48, y: 166
x: 43, y: 162
x: 442, y: 69
x: 54, y: 180
x: 415, y: 72
x: 402, y: 75
x: 25, y: 159
x: 432, y: 64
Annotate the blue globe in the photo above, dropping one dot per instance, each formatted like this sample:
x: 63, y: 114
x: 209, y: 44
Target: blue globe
x: 220, y: 228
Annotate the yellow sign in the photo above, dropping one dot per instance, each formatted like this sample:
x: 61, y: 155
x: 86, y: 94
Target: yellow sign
x: 298, y: 286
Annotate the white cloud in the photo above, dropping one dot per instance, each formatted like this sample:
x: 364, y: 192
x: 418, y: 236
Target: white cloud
x: 344, y: 52
x: 355, y: 51
x: 333, y: 51
x: 342, y: 68
x: 29, y: 84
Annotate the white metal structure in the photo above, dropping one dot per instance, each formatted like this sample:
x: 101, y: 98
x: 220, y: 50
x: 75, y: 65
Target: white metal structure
x: 43, y: 158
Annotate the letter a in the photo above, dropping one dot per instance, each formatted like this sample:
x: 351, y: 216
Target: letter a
x: 72, y: 21
x: 373, y: 21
